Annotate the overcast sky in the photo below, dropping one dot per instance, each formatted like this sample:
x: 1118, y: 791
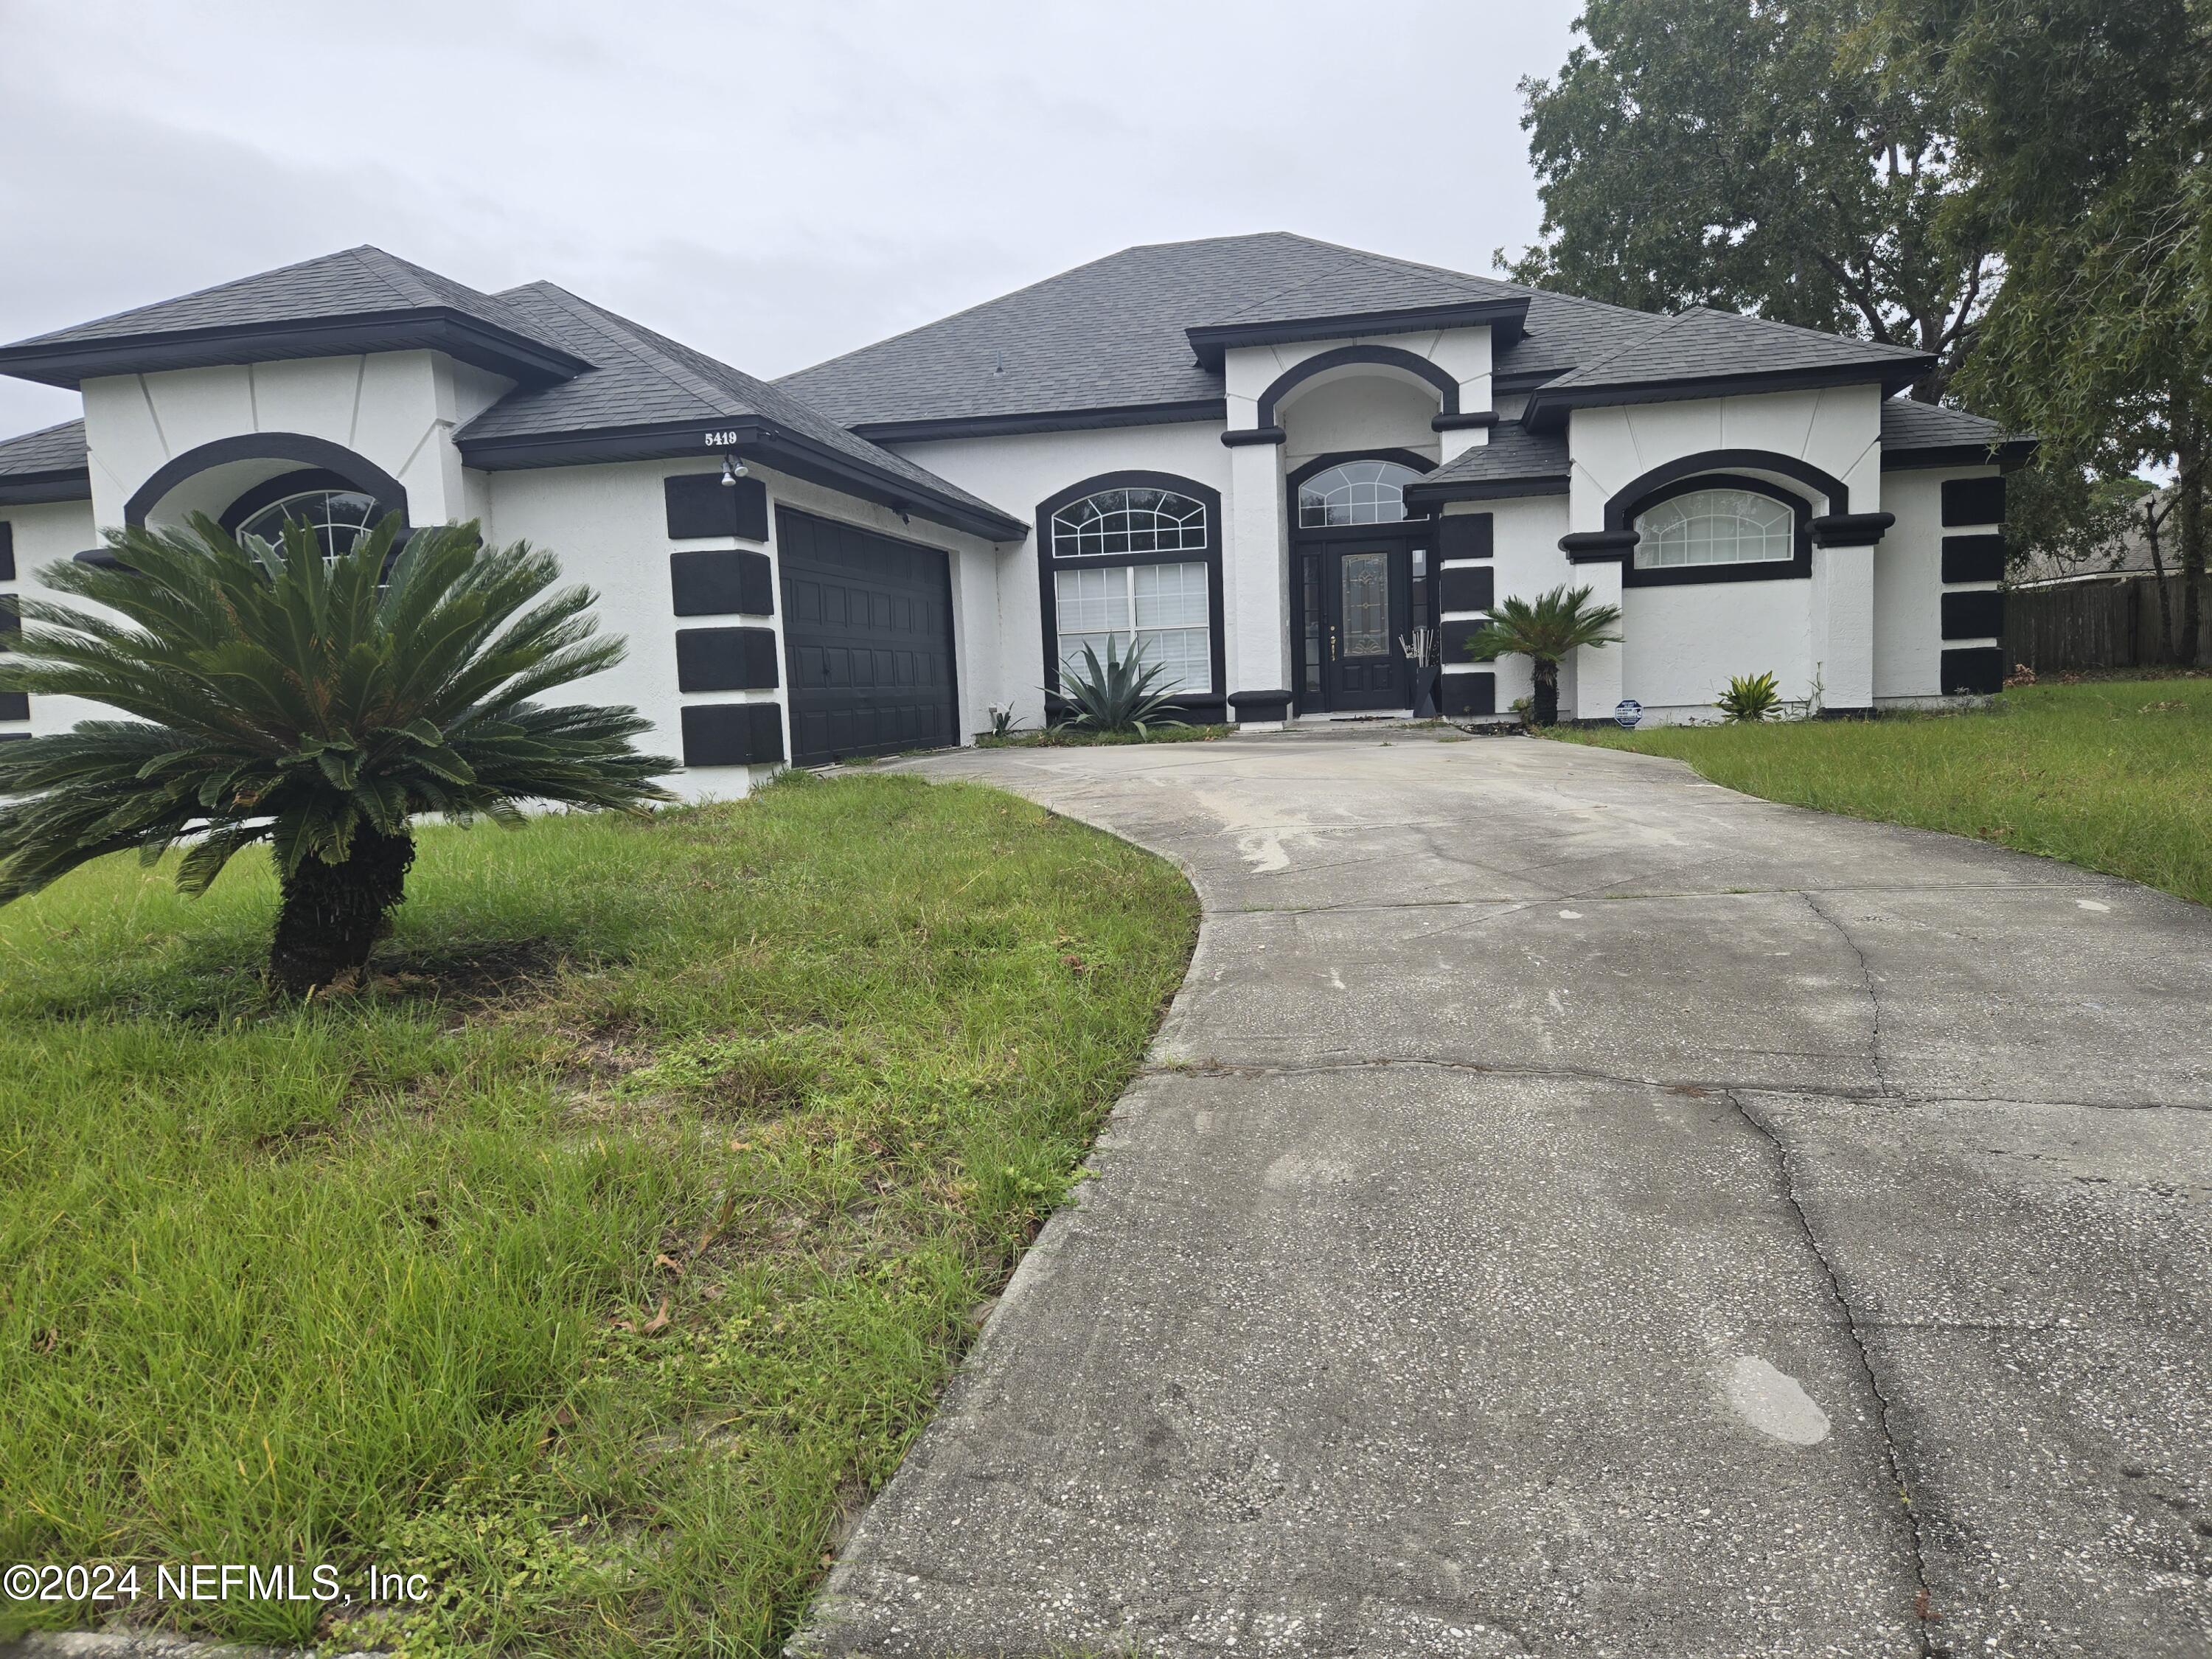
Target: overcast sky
x: 773, y: 185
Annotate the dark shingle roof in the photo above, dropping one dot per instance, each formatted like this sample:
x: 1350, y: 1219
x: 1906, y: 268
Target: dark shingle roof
x: 1703, y: 344
x: 642, y: 379
x: 361, y: 300
x: 1112, y: 334
x: 1515, y: 458
x: 50, y: 449
x: 357, y: 282
x: 1911, y: 429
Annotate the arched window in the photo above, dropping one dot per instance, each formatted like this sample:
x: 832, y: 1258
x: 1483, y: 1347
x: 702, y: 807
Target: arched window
x: 1715, y: 526
x: 1355, y: 492
x: 337, y: 517
x: 1128, y: 521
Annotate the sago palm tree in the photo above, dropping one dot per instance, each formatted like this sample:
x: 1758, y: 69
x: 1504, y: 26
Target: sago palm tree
x: 1545, y: 630
x: 319, y: 705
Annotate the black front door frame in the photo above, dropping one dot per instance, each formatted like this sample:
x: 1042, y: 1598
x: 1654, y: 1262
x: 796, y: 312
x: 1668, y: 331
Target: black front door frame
x: 1313, y: 682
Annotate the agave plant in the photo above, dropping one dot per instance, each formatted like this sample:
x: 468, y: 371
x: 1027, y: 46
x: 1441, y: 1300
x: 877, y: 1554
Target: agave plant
x: 1119, y: 695
x: 317, y: 704
x: 1547, y: 630
x: 1750, y: 697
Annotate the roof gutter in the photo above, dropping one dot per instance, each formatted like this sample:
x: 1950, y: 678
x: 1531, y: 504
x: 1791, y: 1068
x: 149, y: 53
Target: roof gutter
x: 1505, y: 318
x: 1549, y: 406
x: 750, y: 438
x: 57, y: 484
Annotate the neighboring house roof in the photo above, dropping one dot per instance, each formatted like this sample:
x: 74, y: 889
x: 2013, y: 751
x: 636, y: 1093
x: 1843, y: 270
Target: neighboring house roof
x: 1515, y: 462
x: 1917, y: 434
x: 1701, y: 352
x: 49, y: 464
x: 639, y: 383
x: 361, y: 300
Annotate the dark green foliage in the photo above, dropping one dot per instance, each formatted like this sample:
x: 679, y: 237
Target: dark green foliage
x: 1754, y: 157
x: 1119, y: 695
x: 1749, y: 697
x: 2088, y: 129
x: 1547, y: 630
x: 277, y: 696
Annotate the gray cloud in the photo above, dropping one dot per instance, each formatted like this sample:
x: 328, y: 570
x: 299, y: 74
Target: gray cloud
x: 772, y: 184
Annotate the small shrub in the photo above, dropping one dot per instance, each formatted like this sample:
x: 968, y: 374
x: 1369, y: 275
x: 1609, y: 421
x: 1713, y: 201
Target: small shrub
x: 1750, y: 697
x: 1119, y: 695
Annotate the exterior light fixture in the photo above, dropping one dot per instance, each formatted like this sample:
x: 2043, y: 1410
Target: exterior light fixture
x: 733, y: 470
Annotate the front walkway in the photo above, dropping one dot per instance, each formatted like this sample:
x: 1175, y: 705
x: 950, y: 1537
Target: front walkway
x: 1569, y: 1201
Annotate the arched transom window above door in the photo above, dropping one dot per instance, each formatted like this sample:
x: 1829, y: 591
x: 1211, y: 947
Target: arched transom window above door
x: 1127, y: 520
x: 1719, y: 526
x: 1355, y: 492
x: 337, y: 517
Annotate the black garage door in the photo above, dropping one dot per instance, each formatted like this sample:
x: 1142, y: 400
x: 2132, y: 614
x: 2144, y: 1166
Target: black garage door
x: 867, y: 636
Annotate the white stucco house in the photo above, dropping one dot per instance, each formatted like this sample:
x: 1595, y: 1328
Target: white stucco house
x: 1266, y: 458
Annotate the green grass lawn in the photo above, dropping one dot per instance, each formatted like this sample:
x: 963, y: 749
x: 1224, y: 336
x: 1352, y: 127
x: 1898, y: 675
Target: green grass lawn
x: 597, y: 1261
x: 2116, y: 775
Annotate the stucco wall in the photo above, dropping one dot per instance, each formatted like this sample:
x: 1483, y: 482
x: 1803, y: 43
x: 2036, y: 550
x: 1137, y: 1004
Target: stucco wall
x: 1679, y: 645
x: 1014, y: 473
x: 1525, y: 535
x: 1357, y: 413
x: 45, y: 534
x: 397, y: 410
x: 1908, y: 586
x: 608, y: 525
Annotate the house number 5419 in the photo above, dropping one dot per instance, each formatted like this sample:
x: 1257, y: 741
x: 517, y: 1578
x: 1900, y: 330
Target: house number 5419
x: 720, y: 440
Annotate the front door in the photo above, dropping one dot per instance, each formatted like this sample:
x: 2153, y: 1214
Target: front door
x: 1365, y: 591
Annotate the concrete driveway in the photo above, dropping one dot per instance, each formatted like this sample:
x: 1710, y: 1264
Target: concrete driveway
x: 1575, y: 1209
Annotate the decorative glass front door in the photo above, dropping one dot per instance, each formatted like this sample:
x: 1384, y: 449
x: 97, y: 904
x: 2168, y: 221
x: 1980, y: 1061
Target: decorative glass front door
x: 1365, y: 591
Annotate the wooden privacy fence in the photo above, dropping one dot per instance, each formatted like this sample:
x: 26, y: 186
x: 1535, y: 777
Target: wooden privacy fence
x: 2104, y: 622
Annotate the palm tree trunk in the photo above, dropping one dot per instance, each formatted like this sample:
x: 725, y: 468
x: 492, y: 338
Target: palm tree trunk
x: 1546, y: 708
x: 332, y: 914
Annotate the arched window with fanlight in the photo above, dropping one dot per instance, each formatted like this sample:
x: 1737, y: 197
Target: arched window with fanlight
x: 336, y: 513
x: 1719, y: 529
x: 1131, y: 561
x: 1355, y: 492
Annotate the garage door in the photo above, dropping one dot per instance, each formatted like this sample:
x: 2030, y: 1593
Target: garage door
x: 867, y: 636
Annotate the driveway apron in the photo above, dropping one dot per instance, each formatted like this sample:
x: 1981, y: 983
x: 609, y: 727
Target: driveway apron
x: 1576, y: 1209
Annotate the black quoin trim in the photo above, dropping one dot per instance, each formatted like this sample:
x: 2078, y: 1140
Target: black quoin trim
x: 1976, y: 614
x: 1464, y: 422
x: 733, y: 733
x: 1976, y: 670
x: 15, y: 706
x: 1466, y: 587
x: 1470, y: 693
x: 1210, y: 556
x: 1381, y: 355
x: 356, y: 471
x: 721, y: 584
x: 1466, y: 536
x: 1503, y: 318
x: 1456, y: 637
x: 1797, y: 566
x: 1046, y: 420
x: 699, y: 505
x: 6, y: 551
x: 1242, y: 436
x: 520, y: 358
x: 1973, y: 500
x: 1974, y: 558
x: 726, y: 659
